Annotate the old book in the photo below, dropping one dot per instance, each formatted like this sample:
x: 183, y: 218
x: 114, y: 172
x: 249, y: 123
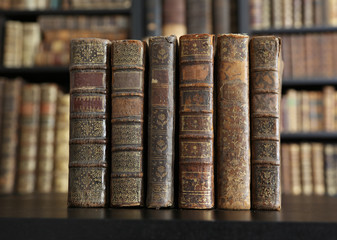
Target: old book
x: 199, y: 16
x: 319, y: 12
x: 233, y: 128
x: 153, y: 18
x: 331, y: 12
x: 286, y: 51
x: 318, y: 168
x: 266, y: 78
x: 285, y: 168
x: 306, y: 168
x: 89, y: 153
x: 255, y: 12
x: 308, y: 13
x: 298, y: 53
x: 311, y: 53
x: 29, y: 138
x: 2, y: 99
x: 13, y: 44
x: 266, y: 14
x: 45, y: 164
x: 305, y: 111
x: 221, y: 16
x: 329, y: 108
x: 31, y: 43
x: 127, y: 123
x: 293, y: 110
x: 10, y: 125
x: 276, y: 13
x: 330, y: 172
x: 196, y: 120
x: 327, y: 64
x: 161, y: 127
x: 174, y: 18
x: 297, y: 14
x: 295, y: 168
x: 288, y: 21
x: 61, y: 155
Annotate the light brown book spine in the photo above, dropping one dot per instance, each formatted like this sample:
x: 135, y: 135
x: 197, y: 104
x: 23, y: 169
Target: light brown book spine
x: 277, y: 13
x: 174, y: 18
x: 306, y: 168
x: 266, y: 80
x: 329, y: 108
x: 196, y: 120
x: 286, y: 169
x: 127, y: 123
x: 308, y: 13
x: 29, y: 138
x: 305, y: 111
x: 233, y: 128
x: 9, y: 134
x: 256, y: 14
x: 318, y: 168
x: 298, y: 56
x: 297, y: 14
x: 288, y: 21
x: 161, y: 127
x: 330, y: 170
x: 13, y: 44
x: 286, y: 51
x: 199, y: 16
x: 326, y: 50
x: 295, y: 167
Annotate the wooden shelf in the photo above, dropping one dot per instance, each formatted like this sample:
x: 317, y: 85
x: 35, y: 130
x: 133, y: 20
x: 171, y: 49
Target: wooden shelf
x: 308, y: 82
x: 320, y: 29
x: 309, y: 136
x: 47, y: 217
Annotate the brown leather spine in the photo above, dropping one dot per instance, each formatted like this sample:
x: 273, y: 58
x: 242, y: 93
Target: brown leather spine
x: 318, y: 168
x: 10, y: 124
x: 199, y: 16
x: 174, y: 17
x: 286, y: 169
x: 196, y: 134
x: 127, y: 122
x: 89, y: 125
x: 29, y: 135
x: 266, y: 67
x: 233, y: 133
x: 161, y: 148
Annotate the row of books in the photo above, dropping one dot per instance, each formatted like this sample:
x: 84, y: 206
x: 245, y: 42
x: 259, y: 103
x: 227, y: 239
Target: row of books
x: 309, y: 168
x: 266, y: 14
x: 34, y: 142
x: 137, y: 121
x: 46, y: 42
x: 311, y: 55
x: 64, y: 4
x: 309, y: 111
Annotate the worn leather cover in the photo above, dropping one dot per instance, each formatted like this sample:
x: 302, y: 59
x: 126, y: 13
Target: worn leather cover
x: 266, y: 66
x: 127, y: 122
x: 233, y: 133
x: 89, y: 125
x: 196, y: 132
x: 161, y: 129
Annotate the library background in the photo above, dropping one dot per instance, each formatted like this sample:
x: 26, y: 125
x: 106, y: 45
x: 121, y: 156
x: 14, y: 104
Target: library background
x: 35, y: 116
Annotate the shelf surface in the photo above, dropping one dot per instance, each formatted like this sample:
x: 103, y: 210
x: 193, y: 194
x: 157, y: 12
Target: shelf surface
x: 319, y: 29
x: 310, y: 136
x: 307, y: 83
x: 47, y: 217
x: 29, y: 13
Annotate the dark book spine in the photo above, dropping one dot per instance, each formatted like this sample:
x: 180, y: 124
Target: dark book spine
x: 153, y: 17
x: 127, y: 122
x: 29, y: 135
x: 89, y: 122
x: 161, y: 148
x: 196, y: 134
x: 233, y: 133
x: 2, y: 99
x: 9, y: 134
x: 265, y: 67
x: 199, y: 16
x: 221, y: 16
x: 174, y: 17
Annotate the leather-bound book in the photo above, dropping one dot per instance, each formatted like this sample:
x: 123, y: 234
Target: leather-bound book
x: 233, y: 128
x: 327, y: 59
x: 286, y: 51
x: 298, y: 56
x: 2, y: 91
x: 330, y: 170
x: 199, y: 16
x: 161, y: 127
x: 9, y: 134
x: 29, y: 138
x: 305, y: 111
x: 306, y: 168
x: 295, y: 168
x: 319, y: 12
x: 329, y: 108
x: 308, y: 13
x: 153, y: 17
x: 255, y: 12
x: 45, y: 163
x: 89, y: 122
x: 196, y: 121
x: 266, y: 10
x: 297, y: 14
x: 288, y: 21
x: 266, y: 78
x: 127, y: 123
x: 318, y: 168
x: 276, y: 13
x: 286, y: 169
x: 174, y: 18
x: 221, y: 16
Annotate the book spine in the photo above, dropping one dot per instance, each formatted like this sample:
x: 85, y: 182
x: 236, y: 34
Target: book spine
x: 305, y: 111
x: 221, y: 16
x: 329, y: 167
x: 127, y: 123
x: 318, y: 168
x: 286, y: 51
x: 297, y: 13
x: 174, y: 18
x: 308, y: 13
x: 233, y: 130
x: 277, y: 13
x: 298, y: 54
x: 286, y: 169
x: 288, y: 21
x: 9, y: 134
x: 306, y: 168
x: 326, y: 68
x: 196, y: 121
x: 199, y: 16
x: 153, y: 17
x: 295, y: 167
x: 329, y: 108
x: 161, y: 148
x: 318, y: 12
x: 266, y: 10
x: 2, y: 99
x: 266, y: 66
x: 29, y: 135
x: 255, y: 10
x: 89, y: 122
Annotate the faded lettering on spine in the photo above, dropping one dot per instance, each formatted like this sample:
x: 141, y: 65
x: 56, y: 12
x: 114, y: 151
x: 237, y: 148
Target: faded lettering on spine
x: 89, y: 125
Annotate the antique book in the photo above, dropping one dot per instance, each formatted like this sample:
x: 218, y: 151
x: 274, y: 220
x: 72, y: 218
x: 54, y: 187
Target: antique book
x: 255, y: 12
x: 329, y: 108
x: 311, y: 45
x: 199, y: 16
x: 127, y: 123
x: 221, y: 16
x: 292, y: 107
x: 326, y: 68
x: 285, y: 168
x: 318, y: 168
x: 45, y: 164
x: 196, y: 121
x: 308, y: 13
x: 153, y: 18
x: 174, y: 18
x: 288, y: 21
x: 330, y: 169
x: 266, y: 10
x: 31, y: 43
x: 161, y: 121
x: 29, y: 138
x: 89, y: 152
x: 9, y: 135
x: 266, y: 79
x: 286, y: 51
x: 306, y: 168
x: 295, y: 168
x: 13, y: 43
x: 298, y: 53
x: 319, y: 12
x: 297, y: 15
x: 276, y: 14
x: 61, y: 155
x: 233, y: 128
x: 305, y: 111
x: 2, y: 99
